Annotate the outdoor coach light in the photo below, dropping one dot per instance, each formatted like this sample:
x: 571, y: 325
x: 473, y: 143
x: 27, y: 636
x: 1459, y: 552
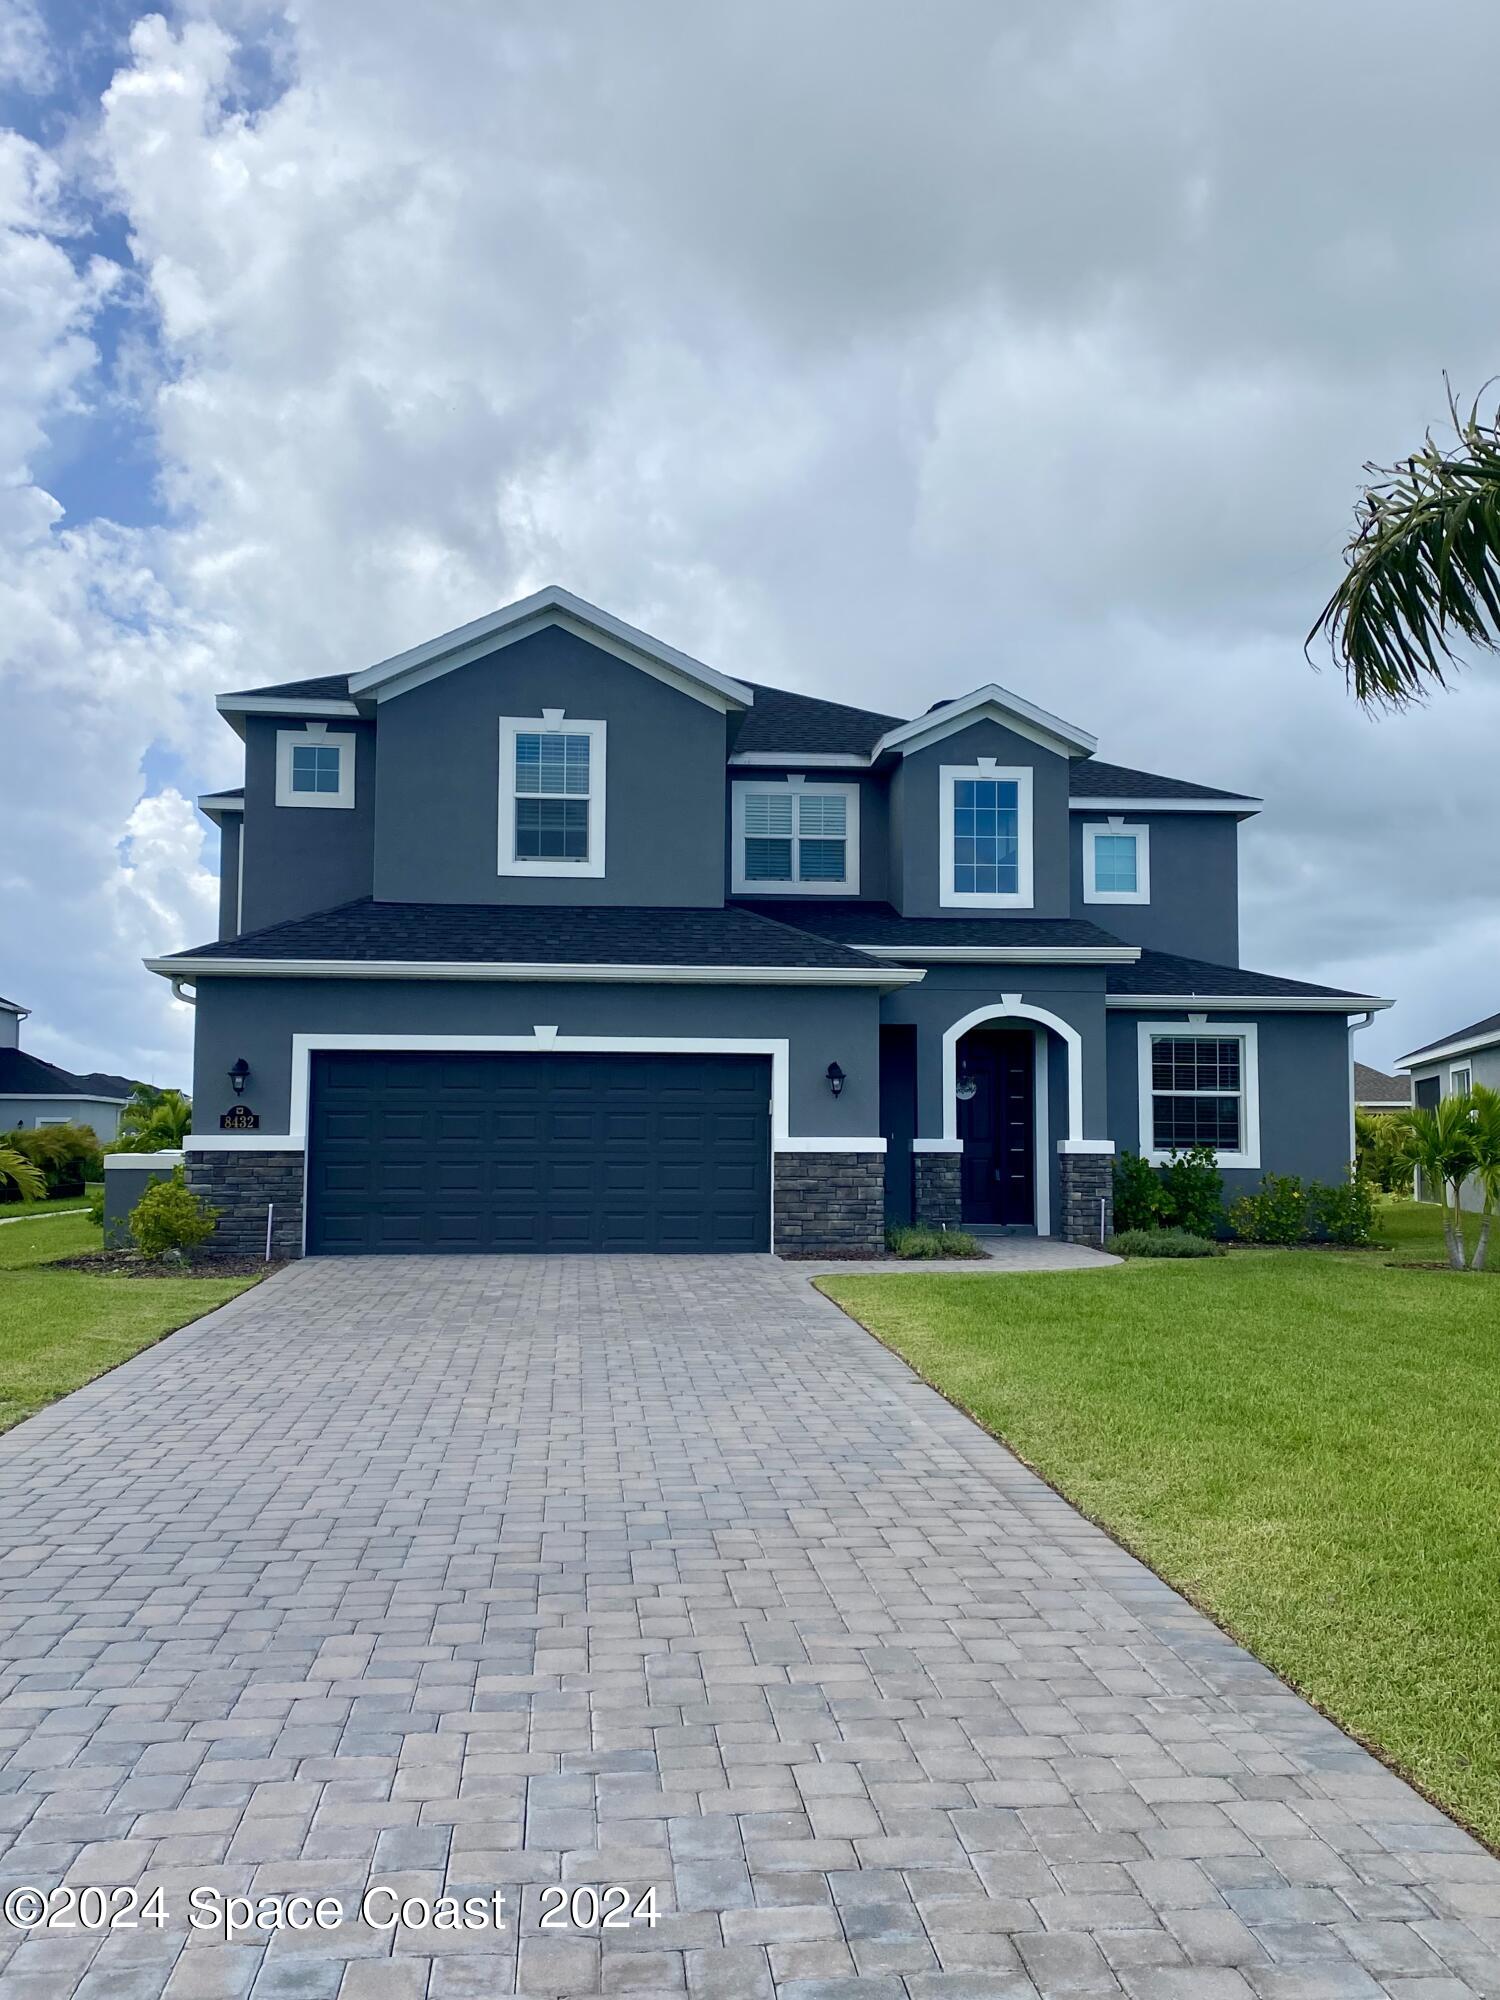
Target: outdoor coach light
x: 835, y: 1078
x: 239, y: 1070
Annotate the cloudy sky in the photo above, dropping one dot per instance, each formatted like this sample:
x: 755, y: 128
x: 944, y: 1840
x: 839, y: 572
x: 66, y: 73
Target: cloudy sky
x: 871, y: 348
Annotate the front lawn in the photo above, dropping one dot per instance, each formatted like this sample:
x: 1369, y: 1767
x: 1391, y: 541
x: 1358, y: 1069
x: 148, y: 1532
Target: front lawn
x: 1304, y: 1442
x: 59, y: 1329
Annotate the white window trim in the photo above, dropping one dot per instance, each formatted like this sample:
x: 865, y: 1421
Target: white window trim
x: 1247, y: 1033
x: 952, y: 899
x: 1141, y: 893
x: 332, y: 739
x: 1455, y: 1071
x: 779, y: 788
x: 509, y: 863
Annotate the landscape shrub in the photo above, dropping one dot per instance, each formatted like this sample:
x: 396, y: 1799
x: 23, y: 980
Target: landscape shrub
x: 1343, y: 1213
x: 921, y: 1240
x: 169, y: 1218
x: 1140, y: 1200
x: 1162, y: 1243
x: 1278, y: 1213
x: 67, y: 1155
x: 1194, y: 1190
x: 1379, y: 1151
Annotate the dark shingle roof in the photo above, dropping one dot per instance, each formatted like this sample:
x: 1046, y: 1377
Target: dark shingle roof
x: 323, y: 687
x: 878, y: 924
x: 14, y: 1007
x: 1089, y: 779
x: 1164, y: 972
x: 1373, y: 1086
x: 781, y: 720
x: 536, y: 934
x: 1490, y: 1025
x: 22, y: 1075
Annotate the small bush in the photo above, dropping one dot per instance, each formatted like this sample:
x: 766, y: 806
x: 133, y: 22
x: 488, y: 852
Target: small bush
x: 1344, y: 1213
x: 1279, y: 1213
x: 1140, y: 1200
x: 68, y: 1155
x: 1379, y: 1159
x: 170, y: 1218
x: 1194, y: 1190
x: 1161, y: 1243
x: 96, y: 1206
x: 919, y: 1240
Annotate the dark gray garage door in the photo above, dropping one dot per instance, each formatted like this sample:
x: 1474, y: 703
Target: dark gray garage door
x: 480, y: 1152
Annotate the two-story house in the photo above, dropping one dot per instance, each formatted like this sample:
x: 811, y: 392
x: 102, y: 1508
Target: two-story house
x: 545, y: 936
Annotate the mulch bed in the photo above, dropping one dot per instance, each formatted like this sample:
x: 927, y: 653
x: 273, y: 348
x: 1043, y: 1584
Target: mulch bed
x: 126, y: 1264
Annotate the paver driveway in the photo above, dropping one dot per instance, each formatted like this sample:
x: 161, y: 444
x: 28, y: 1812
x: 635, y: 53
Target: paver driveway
x: 464, y: 1573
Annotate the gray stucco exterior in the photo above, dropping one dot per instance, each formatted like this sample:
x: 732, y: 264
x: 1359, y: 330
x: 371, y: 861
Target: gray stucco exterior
x: 1483, y: 1065
x: 424, y: 833
x: 24, y: 1114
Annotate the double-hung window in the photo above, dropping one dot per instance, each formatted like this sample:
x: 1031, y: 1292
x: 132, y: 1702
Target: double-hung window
x: 1199, y: 1087
x: 1460, y: 1080
x: 792, y: 836
x: 314, y: 766
x: 1116, y: 862
x: 551, y: 797
x: 985, y: 836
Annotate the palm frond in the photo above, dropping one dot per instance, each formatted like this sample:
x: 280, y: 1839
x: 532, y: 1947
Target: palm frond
x: 1422, y: 567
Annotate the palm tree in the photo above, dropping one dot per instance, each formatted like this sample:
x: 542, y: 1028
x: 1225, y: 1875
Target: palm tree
x: 1484, y: 1142
x: 154, y: 1120
x: 1441, y: 1143
x: 22, y: 1174
x: 1422, y: 566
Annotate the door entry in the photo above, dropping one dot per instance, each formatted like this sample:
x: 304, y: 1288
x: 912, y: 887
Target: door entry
x: 997, y: 1123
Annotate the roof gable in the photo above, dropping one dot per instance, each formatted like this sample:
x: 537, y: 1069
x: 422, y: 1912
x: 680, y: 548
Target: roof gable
x: 552, y: 606
x: 991, y: 703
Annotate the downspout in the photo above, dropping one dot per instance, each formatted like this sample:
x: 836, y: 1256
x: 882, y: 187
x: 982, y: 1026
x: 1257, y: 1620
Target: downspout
x: 187, y: 999
x: 1354, y: 1028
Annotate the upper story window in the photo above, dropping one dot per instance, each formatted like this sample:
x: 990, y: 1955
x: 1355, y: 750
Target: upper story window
x: 314, y: 766
x: 1200, y: 1087
x: 551, y: 796
x: 792, y: 837
x: 985, y: 837
x: 1116, y: 862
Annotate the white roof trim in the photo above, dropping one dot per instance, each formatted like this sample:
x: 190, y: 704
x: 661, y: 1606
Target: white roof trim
x: 220, y: 802
x: 1462, y: 1045
x: 1245, y: 1003
x: 1036, y: 724
x: 283, y: 704
x: 693, y: 975
x: 551, y: 606
x: 804, y: 760
x: 1003, y: 954
x: 1225, y: 805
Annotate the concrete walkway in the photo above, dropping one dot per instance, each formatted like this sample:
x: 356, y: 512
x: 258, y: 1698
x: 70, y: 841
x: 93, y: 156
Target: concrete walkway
x: 461, y: 1574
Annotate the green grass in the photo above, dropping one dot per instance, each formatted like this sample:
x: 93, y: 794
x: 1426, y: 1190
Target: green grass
x: 1414, y: 1229
x: 1304, y: 1442
x: 59, y: 1329
x: 11, y: 1209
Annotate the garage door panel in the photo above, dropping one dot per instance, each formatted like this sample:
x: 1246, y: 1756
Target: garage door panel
x: 414, y: 1151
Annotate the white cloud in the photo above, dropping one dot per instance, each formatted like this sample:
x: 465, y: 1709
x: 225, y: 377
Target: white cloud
x: 874, y: 351
x: 25, y: 57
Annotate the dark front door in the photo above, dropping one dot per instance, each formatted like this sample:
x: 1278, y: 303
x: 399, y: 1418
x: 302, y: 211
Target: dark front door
x: 557, y: 1152
x: 997, y: 1124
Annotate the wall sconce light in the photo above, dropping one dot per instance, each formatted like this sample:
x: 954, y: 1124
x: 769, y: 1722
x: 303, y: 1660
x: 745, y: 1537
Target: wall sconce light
x: 239, y: 1069
x: 835, y: 1078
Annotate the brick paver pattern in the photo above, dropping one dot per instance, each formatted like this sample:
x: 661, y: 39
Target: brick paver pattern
x: 456, y: 1574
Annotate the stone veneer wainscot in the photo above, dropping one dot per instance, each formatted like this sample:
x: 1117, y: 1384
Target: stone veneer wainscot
x: 242, y: 1187
x: 829, y: 1204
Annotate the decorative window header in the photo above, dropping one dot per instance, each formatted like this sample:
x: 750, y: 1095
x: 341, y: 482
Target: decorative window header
x: 314, y: 766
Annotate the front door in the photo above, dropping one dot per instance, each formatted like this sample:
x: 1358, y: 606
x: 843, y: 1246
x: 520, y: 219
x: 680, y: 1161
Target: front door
x: 996, y: 1121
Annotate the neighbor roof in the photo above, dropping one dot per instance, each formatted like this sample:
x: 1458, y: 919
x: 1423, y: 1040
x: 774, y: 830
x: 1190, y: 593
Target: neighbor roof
x: 1373, y: 1086
x: 1476, y: 1035
x: 14, y: 1007
x: 23, y: 1075
x: 528, y: 934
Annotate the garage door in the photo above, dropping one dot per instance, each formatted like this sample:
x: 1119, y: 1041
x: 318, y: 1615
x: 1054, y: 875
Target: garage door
x: 484, y: 1152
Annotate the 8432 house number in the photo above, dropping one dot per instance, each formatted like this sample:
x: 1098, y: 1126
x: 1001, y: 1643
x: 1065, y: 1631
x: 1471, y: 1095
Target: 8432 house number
x: 612, y: 1909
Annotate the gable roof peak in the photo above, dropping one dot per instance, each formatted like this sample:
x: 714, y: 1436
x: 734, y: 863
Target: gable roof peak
x: 1039, y: 725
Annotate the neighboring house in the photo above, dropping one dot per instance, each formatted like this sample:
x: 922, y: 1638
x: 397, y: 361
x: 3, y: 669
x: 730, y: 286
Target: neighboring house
x: 545, y: 936
x: 33, y: 1092
x: 1450, y: 1066
x: 1375, y: 1091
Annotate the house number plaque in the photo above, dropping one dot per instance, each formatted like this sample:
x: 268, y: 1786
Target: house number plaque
x: 239, y: 1118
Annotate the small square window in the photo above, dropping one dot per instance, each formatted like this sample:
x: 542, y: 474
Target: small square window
x: 1116, y: 863
x: 315, y: 768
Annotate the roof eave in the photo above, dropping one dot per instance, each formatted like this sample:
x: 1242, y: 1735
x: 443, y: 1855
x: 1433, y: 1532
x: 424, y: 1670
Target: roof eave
x: 1005, y: 954
x: 1461, y: 1045
x: 1252, y: 1003
x: 884, y: 977
x: 1241, y: 808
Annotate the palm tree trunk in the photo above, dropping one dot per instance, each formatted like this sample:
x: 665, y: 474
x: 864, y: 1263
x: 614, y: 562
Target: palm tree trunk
x: 1453, y: 1227
x: 1484, y: 1235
